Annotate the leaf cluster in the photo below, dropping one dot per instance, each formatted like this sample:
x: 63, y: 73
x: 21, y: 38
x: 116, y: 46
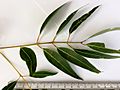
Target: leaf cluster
x: 61, y: 57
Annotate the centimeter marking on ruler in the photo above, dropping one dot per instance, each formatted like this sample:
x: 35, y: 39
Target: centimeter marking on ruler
x: 69, y: 85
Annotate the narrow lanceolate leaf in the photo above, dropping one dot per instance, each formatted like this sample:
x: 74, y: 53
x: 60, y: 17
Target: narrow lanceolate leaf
x: 49, y: 17
x: 76, y: 59
x: 42, y: 74
x: 99, y: 44
x: 104, y: 31
x: 103, y: 49
x: 29, y: 57
x: 10, y: 86
x: 94, y: 54
x: 64, y: 23
x: 61, y: 63
x: 79, y: 21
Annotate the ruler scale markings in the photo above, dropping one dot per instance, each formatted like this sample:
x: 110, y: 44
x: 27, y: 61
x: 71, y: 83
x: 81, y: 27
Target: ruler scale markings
x: 75, y: 85
x: 118, y: 85
x: 71, y: 85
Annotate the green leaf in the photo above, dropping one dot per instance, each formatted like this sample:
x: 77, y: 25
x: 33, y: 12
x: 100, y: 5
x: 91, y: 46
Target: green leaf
x: 10, y: 86
x: 97, y: 44
x: 94, y: 54
x: 103, y: 49
x: 76, y: 59
x: 49, y: 18
x: 42, y: 74
x: 104, y: 31
x: 29, y: 57
x: 64, y: 23
x: 58, y: 61
x: 79, y: 21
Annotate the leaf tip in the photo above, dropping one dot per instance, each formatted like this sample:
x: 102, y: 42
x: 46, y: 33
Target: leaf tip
x: 80, y: 78
x: 98, y: 71
x: 98, y: 6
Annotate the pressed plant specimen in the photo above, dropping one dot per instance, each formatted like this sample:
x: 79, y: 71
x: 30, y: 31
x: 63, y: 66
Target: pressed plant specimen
x: 60, y: 56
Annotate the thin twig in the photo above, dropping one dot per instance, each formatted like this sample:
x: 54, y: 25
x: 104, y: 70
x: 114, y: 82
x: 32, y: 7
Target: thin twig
x: 16, y: 70
x: 38, y: 38
x: 69, y: 45
x: 68, y: 38
x: 54, y: 37
x: 54, y: 44
x: 84, y: 40
x: 68, y: 41
x: 26, y: 83
x: 39, y: 46
x: 33, y: 44
x: 11, y: 63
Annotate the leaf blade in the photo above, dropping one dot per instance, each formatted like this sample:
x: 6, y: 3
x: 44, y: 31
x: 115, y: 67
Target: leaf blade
x: 65, y: 22
x: 10, y: 86
x: 103, y: 49
x: 49, y: 17
x: 100, y: 44
x: 77, y: 59
x: 59, y: 62
x: 104, y: 31
x: 94, y: 54
x: 29, y: 57
x: 42, y: 74
x: 80, y: 20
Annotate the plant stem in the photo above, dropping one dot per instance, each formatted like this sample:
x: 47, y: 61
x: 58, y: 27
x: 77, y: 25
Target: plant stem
x: 33, y: 44
x: 10, y: 63
x: 54, y: 44
x: 68, y: 41
x: 69, y: 45
x: 15, y: 46
x: 39, y: 46
x: 84, y: 40
x: 68, y: 38
x: 16, y: 70
x: 26, y: 83
x: 54, y: 38
x: 38, y: 37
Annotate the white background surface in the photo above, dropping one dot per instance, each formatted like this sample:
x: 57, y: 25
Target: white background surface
x: 20, y: 21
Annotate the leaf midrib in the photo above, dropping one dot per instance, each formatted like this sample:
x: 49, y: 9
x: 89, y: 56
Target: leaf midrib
x: 58, y: 61
x: 79, y: 60
x: 78, y: 22
x: 29, y: 58
x: 66, y: 21
x: 43, y: 74
x: 98, y: 55
x: 114, y: 51
x: 88, y: 54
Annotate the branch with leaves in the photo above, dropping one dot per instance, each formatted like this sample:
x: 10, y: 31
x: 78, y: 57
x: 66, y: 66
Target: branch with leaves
x: 60, y: 56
